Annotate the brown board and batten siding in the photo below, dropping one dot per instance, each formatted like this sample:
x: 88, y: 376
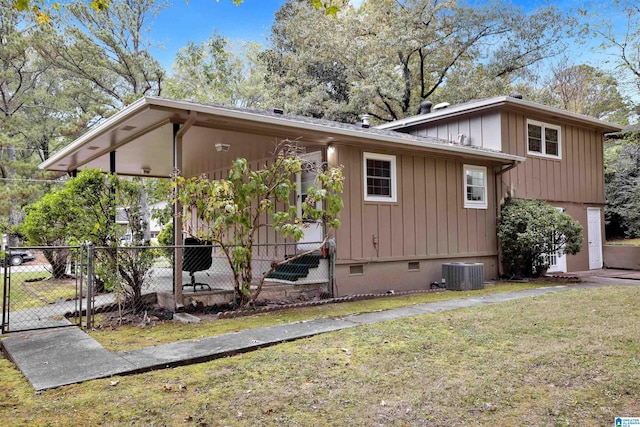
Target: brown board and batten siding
x: 576, y: 178
x: 428, y: 223
x: 479, y: 129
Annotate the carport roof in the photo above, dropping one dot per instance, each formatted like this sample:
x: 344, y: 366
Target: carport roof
x: 143, y: 132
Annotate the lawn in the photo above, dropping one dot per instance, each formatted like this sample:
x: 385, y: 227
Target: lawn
x: 624, y: 242
x: 34, y: 289
x: 132, y: 337
x: 569, y: 358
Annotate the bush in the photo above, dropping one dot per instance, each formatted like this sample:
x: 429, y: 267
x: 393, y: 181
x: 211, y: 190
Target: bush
x: 529, y: 230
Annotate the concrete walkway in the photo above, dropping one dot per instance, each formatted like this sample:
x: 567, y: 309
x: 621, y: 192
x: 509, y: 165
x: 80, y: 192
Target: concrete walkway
x: 58, y: 357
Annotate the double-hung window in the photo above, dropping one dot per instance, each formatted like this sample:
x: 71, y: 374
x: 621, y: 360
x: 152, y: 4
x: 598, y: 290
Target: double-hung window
x: 475, y: 187
x: 544, y: 139
x: 379, y: 178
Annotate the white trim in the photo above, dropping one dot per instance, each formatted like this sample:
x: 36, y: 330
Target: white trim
x: 474, y: 204
x: 543, y: 146
x: 394, y: 178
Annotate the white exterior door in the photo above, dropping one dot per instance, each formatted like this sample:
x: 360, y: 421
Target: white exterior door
x: 594, y: 235
x: 305, y: 180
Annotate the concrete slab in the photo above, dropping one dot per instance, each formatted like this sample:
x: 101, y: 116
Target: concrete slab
x: 58, y: 357
x: 200, y: 350
x: 186, y: 318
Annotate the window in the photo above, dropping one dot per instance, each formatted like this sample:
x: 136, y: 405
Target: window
x: 379, y: 178
x: 475, y: 187
x: 543, y: 139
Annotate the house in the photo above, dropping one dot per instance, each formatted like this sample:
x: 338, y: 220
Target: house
x: 419, y: 192
x: 564, y: 158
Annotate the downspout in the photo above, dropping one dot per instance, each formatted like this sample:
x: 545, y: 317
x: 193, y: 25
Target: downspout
x: 497, y: 184
x: 178, y: 133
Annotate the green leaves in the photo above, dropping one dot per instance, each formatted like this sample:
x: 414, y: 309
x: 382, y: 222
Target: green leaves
x: 530, y: 230
x: 230, y: 212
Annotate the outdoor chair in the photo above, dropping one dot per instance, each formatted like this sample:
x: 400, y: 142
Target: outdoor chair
x: 196, y: 257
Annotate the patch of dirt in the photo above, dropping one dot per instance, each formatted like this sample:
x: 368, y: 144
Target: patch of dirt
x: 154, y: 315
x: 543, y: 279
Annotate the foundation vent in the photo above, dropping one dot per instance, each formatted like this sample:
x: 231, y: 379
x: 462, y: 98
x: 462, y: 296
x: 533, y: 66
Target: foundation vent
x: 463, y: 276
x: 356, y: 270
x: 414, y: 266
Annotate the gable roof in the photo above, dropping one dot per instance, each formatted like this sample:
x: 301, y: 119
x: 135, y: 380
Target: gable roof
x: 506, y: 102
x: 143, y: 133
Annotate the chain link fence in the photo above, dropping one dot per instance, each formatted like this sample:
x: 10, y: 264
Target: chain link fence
x: 43, y: 287
x: 60, y: 286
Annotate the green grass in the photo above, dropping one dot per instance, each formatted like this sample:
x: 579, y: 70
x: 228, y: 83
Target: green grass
x: 132, y: 337
x: 569, y: 358
x: 26, y: 294
x: 624, y: 242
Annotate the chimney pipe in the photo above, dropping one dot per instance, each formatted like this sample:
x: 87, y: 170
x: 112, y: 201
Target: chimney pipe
x: 425, y: 107
x: 365, y: 120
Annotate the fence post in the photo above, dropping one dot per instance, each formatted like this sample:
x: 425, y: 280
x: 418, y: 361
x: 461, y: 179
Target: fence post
x: 79, y: 255
x: 5, y: 295
x: 89, y: 321
x: 332, y: 266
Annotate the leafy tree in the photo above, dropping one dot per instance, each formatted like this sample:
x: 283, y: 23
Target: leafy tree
x: 211, y: 72
x: 19, y: 73
x: 231, y: 211
x: 620, y: 34
x: 387, y: 56
x: 529, y: 230
x: 83, y: 211
x: 46, y: 223
x: 622, y: 187
x: 587, y: 90
x: 107, y: 49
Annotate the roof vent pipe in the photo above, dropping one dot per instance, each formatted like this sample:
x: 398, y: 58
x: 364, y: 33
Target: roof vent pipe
x: 276, y: 110
x: 365, y: 120
x: 516, y: 95
x: 425, y: 107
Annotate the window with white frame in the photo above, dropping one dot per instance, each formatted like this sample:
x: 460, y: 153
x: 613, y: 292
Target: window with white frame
x: 379, y: 177
x: 475, y: 187
x: 543, y: 139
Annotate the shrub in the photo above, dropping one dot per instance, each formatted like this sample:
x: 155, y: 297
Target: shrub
x: 529, y: 230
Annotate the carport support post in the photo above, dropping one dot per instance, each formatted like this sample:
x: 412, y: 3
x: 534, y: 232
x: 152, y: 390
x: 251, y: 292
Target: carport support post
x: 178, y: 133
x: 177, y: 220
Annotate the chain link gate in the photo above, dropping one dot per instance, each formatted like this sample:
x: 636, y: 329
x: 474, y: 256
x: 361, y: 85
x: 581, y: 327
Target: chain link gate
x: 43, y: 287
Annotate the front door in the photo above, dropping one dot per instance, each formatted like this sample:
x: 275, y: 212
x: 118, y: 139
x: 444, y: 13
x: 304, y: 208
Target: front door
x: 313, y: 232
x: 594, y: 235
